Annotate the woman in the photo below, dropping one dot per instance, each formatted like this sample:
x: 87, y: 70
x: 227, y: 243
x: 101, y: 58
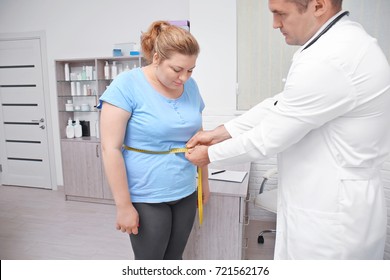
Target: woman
x: 154, y: 108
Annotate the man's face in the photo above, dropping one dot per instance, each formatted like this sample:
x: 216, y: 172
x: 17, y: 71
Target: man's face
x: 296, y: 26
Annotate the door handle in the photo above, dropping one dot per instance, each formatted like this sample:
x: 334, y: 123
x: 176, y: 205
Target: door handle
x: 41, y: 120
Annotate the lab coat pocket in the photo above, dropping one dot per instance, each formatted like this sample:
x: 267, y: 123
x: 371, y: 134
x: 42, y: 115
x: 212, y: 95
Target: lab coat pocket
x: 363, y: 214
x: 312, y: 234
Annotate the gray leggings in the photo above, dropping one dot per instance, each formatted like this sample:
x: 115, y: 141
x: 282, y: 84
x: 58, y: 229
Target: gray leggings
x: 164, y: 229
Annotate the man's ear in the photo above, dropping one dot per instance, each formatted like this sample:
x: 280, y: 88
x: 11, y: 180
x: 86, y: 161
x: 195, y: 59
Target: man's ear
x: 321, y: 7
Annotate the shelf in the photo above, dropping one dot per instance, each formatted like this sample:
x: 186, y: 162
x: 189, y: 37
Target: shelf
x: 83, y: 81
x: 82, y: 139
x: 85, y: 89
x: 79, y: 111
x: 77, y: 96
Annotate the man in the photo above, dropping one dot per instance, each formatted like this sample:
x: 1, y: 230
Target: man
x: 330, y: 130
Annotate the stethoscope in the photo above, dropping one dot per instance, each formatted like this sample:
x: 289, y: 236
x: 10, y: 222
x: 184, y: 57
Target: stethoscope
x: 326, y: 29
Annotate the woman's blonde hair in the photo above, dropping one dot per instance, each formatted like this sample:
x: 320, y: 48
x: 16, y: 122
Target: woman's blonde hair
x: 166, y: 39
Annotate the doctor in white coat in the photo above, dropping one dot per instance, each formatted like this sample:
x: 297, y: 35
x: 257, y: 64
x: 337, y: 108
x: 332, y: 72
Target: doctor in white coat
x: 330, y: 129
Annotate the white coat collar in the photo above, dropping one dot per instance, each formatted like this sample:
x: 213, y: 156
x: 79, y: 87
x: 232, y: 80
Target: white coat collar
x: 317, y: 33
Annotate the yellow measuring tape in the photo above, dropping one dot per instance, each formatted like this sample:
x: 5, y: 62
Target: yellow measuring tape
x: 175, y: 151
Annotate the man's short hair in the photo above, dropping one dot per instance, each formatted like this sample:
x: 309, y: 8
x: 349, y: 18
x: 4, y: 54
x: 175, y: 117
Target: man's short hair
x: 303, y: 4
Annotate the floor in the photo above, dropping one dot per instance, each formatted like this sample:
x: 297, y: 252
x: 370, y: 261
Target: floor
x: 39, y: 224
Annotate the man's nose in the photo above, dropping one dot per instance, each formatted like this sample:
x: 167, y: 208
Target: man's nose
x: 276, y: 23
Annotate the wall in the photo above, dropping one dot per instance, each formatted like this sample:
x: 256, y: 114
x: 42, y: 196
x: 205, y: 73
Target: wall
x: 214, y: 25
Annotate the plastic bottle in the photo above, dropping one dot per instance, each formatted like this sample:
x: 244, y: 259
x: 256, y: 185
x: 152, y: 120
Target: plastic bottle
x: 78, y: 88
x: 84, y: 73
x: 114, y: 70
x: 78, y: 132
x: 70, y: 129
x: 73, y: 88
x: 89, y: 90
x: 69, y: 106
x: 67, y: 72
x: 107, y: 71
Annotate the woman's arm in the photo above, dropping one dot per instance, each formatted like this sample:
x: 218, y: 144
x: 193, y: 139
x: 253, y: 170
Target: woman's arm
x: 113, y: 122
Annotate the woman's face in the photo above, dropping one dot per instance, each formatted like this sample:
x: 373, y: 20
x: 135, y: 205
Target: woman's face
x: 172, y: 73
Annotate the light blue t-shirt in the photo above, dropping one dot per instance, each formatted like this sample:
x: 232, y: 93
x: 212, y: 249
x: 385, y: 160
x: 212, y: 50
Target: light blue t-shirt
x: 157, y: 123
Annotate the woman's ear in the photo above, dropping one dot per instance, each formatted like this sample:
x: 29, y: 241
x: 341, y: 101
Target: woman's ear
x: 156, y: 60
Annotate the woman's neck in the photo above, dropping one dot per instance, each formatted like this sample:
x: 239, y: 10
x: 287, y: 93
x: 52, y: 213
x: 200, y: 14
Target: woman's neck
x: 153, y: 80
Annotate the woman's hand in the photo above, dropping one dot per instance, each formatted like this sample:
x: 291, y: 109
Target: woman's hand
x: 127, y: 219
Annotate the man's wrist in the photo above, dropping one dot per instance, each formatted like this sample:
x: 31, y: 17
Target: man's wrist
x: 220, y: 134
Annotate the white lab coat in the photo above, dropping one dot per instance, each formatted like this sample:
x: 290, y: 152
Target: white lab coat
x: 330, y: 129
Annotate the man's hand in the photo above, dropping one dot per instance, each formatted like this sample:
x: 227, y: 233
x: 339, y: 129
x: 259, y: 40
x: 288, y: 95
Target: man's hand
x: 198, y: 155
x: 200, y: 138
x: 208, y: 138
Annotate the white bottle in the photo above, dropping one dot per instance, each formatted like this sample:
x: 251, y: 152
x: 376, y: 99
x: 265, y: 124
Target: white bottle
x: 73, y: 88
x: 97, y: 129
x: 78, y: 88
x: 114, y: 70
x: 69, y: 106
x: 70, y: 129
x: 78, y: 132
x: 67, y: 72
x: 107, y: 71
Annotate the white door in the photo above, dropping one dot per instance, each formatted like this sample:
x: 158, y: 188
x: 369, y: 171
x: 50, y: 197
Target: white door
x: 23, y: 133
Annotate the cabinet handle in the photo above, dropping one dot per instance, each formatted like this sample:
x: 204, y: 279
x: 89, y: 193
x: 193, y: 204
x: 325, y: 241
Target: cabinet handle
x: 245, y: 243
x: 246, y: 220
x: 38, y: 121
x: 97, y: 151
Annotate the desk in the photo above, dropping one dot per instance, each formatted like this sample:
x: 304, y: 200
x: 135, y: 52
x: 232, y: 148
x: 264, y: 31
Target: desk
x: 221, y: 236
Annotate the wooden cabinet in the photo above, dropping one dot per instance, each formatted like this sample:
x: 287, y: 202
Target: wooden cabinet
x: 84, y: 178
x: 222, y: 234
x: 81, y: 86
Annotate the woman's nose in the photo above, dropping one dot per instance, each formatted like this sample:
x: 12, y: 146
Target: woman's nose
x: 184, y: 76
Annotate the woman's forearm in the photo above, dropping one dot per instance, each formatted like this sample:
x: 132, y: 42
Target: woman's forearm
x: 115, y: 171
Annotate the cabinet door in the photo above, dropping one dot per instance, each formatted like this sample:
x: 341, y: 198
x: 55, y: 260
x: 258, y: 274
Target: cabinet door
x: 82, y: 169
x: 220, y: 236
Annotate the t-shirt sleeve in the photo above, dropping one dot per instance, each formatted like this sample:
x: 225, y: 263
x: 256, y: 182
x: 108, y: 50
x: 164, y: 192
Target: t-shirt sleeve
x: 193, y: 88
x: 119, y: 94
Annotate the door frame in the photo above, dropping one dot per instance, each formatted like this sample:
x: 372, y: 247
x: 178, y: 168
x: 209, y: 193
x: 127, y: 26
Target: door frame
x: 41, y: 36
